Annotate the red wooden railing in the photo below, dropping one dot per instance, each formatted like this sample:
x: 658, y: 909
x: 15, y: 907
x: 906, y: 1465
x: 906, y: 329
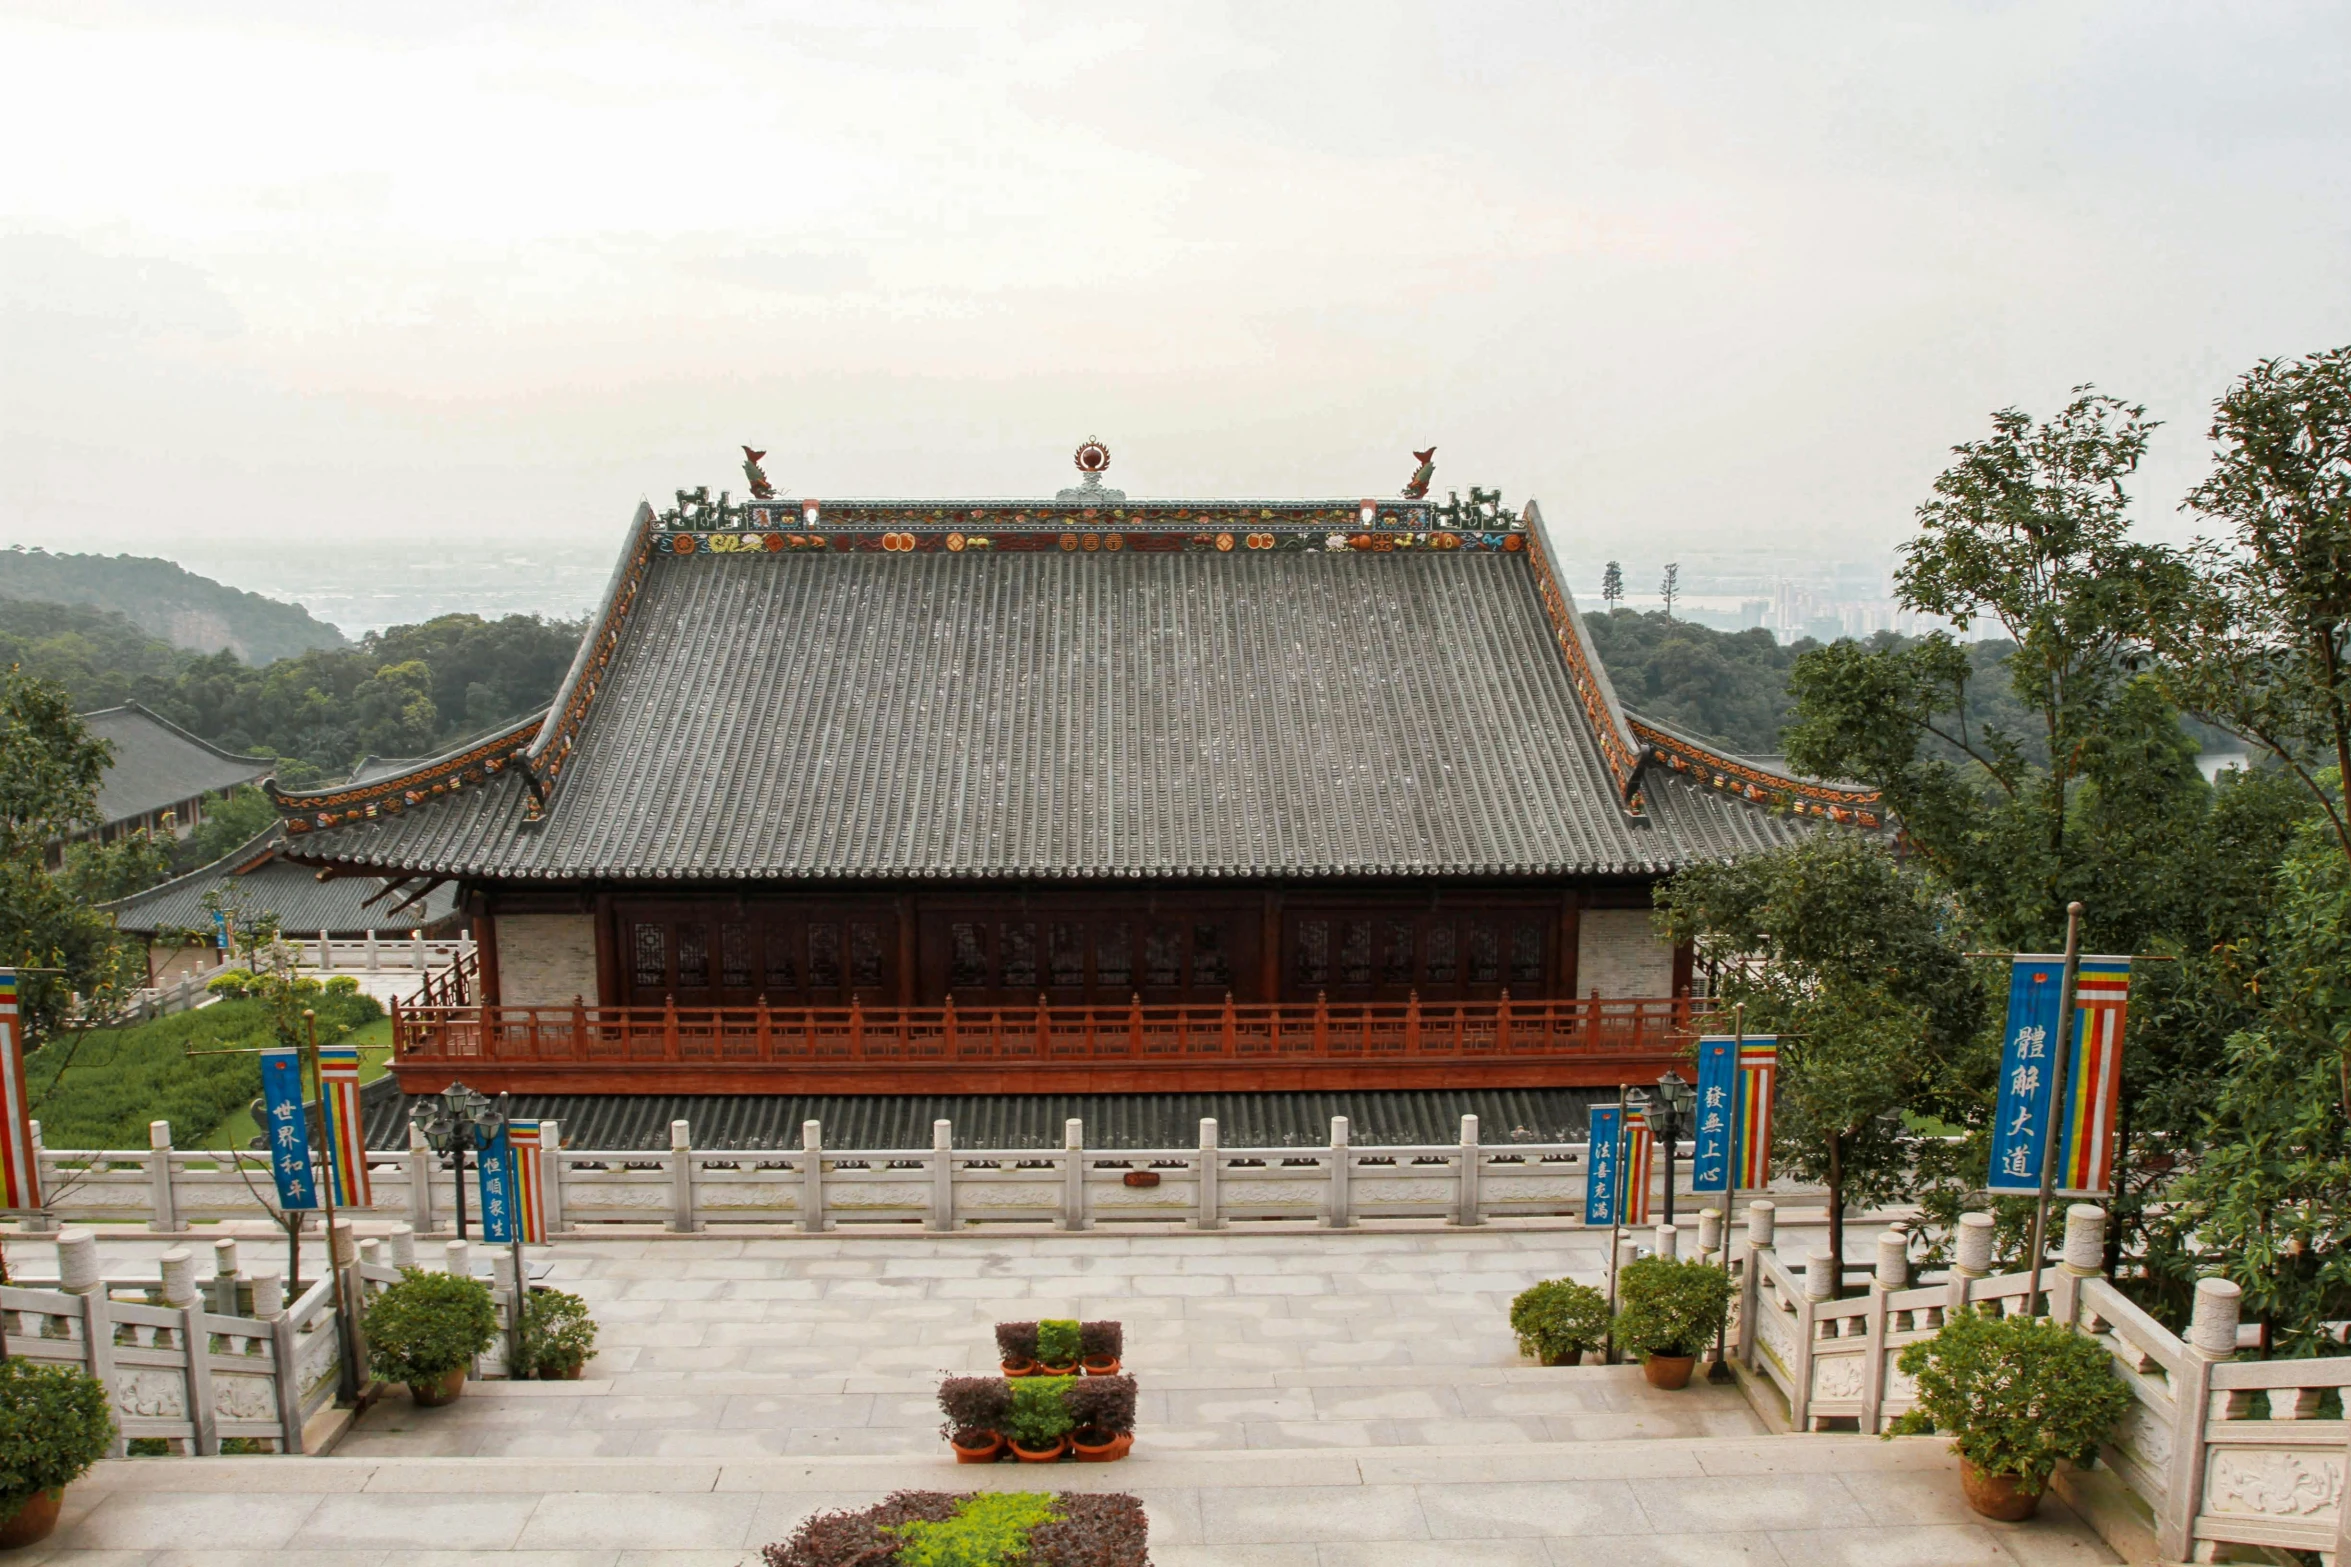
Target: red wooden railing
x: 655, y: 1039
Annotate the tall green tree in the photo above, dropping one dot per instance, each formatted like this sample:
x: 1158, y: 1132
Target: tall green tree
x: 1852, y: 958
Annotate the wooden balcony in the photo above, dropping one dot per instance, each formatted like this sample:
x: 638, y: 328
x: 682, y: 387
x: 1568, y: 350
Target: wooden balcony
x: 1041, y: 1049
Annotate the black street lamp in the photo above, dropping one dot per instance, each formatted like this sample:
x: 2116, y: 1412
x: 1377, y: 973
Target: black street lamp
x: 454, y: 1119
x: 1674, y: 1098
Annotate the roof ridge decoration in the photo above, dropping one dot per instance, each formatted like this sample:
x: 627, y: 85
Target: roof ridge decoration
x: 1619, y: 747
x: 1719, y: 770
x: 553, y: 747
x: 311, y: 810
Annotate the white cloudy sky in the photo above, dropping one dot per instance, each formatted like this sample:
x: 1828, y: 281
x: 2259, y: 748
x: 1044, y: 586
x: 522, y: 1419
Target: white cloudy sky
x: 1704, y: 276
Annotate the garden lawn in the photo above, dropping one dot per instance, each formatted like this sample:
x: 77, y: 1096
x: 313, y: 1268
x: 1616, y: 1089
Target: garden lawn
x: 375, y: 1059
x: 100, y: 1089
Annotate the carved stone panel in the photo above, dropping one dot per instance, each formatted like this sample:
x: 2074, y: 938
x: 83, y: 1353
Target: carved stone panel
x: 152, y: 1394
x: 244, y: 1398
x: 2273, y: 1483
x: 1836, y: 1377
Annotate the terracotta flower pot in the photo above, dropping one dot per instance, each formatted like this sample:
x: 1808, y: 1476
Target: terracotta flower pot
x: 1019, y: 1368
x: 32, y: 1521
x: 1042, y: 1455
x: 1068, y: 1369
x: 2009, y: 1498
x: 442, y: 1389
x: 1106, y: 1451
x: 978, y: 1447
x: 1668, y: 1371
x: 1101, y: 1368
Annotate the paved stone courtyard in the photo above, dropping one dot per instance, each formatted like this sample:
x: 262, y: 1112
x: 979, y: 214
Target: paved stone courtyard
x: 1310, y: 1400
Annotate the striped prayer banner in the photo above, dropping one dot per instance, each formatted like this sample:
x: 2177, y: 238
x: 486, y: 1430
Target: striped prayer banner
x: 1759, y: 1066
x: 20, y: 1161
x: 530, y: 1208
x: 2093, y: 1091
x: 1638, y: 1161
x: 338, y: 1080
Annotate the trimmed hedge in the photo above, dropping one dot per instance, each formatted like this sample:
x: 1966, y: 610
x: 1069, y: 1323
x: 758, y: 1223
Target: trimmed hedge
x: 974, y: 1529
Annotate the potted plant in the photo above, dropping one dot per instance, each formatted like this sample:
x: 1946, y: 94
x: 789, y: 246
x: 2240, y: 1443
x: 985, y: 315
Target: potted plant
x: 1559, y: 1320
x: 1668, y: 1312
x: 1059, y: 1344
x: 1100, y: 1347
x: 1016, y: 1347
x: 2016, y: 1394
x: 558, y: 1336
x: 939, y: 1528
x: 977, y: 1410
x: 55, y: 1422
x: 426, y: 1329
x: 1039, y: 1423
x: 1102, y: 1418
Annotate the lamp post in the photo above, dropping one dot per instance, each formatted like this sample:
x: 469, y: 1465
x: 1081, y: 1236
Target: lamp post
x: 1674, y: 1097
x: 452, y: 1120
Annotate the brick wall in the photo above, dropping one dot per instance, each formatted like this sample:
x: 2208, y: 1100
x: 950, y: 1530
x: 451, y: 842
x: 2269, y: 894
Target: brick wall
x: 1618, y: 954
x: 544, y: 960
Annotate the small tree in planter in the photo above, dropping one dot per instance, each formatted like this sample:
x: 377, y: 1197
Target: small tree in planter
x: 2017, y: 1394
x: 1102, y: 1416
x: 426, y: 1329
x: 1040, y: 1422
x: 1559, y: 1320
x: 558, y: 1336
x: 1670, y: 1312
x: 1060, y: 1341
x: 978, y: 1409
x: 1101, y: 1345
x: 55, y: 1422
x: 1016, y: 1347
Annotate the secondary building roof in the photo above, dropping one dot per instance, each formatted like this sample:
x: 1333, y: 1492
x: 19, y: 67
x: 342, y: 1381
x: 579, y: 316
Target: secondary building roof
x: 1028, y: 690
x: 157, y: 764
x: 258, y: 875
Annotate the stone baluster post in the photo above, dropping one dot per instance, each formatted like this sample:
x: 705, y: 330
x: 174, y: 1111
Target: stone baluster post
x: 421, y: 1169
x: 1893, y: 1270
x: 812, y: 1216
x: 1341, y: 1214
x: 78, y: 1274
x: 178, y: 1267
x: 942, y: 1161
x: 1710, y: 1234
x: 1209, y: 1206
x: 1074, y: 1215
x: 681, y: 1177
x: 2211, y: 1339
x: 224, y: 1277
x: 1821, y: 1281
x: 1668, y: 1241
x: 457, y: 1259
x: 551, y: 1176
x: 1472, y: 1167
x: 163, y: 1215
x: 403, y: 1238
x: 269, y: 1304
x: 2085, y: 1257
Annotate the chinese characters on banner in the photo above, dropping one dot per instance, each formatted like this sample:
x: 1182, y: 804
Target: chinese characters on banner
x: 2029, y: 1102
x: 286, y: 1130
x: 496, y: 1157
x: 20, y: 1161
x: 1600, y: 1181
x: 1734, y: 1112
x: 338, y: 1080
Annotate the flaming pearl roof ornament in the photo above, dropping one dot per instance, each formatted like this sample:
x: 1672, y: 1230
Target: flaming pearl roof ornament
x: 1093, y: 459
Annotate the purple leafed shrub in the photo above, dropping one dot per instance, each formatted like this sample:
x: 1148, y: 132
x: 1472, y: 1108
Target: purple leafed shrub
x: 1106, y: 1530
x: 974, y: 1404
x: 1102, y: 1340
x: 1016, y: 1341
x: 1101, y: 1407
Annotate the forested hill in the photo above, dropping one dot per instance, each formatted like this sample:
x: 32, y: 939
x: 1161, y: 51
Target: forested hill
x: 169, y: 601
x: 1730, y: 687
x: 408, y: 691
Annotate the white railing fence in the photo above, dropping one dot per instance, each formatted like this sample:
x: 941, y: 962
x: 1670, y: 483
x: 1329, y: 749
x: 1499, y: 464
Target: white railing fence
x: 370, y: 955
x: 184, y: 994
x: 811, y: 1188
x: 194, y: 1363
x: 2222, y: 1452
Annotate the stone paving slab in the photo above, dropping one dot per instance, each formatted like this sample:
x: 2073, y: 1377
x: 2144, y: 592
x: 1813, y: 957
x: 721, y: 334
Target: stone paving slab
x: 1745, y: 1500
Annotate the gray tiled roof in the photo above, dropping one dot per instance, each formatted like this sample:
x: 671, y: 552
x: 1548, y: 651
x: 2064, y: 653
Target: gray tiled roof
x: 866, y: 1122
x: 157, y: 763
x: 271, y: 884
x: 1042, y: 715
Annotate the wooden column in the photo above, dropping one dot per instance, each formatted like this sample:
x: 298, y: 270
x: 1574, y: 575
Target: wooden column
x: 908, y: 951
x: 608, y: 953
x: 485, y: 941
x: 1269, y: 956
x: 1570, y: 938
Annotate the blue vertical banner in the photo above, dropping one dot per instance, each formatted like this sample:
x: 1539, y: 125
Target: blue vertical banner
x: 495, y: 1156
x: 287, y: 1130
x: 2028, y: 1052
x: 1603, y: 1180
x: 1716, y: 1114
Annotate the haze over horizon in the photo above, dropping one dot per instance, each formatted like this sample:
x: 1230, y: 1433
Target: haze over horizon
x: 1705, y: 279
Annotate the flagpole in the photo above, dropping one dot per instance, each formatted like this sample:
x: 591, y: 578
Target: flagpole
x: 2060, y: 1069
x: 1720, y: 1371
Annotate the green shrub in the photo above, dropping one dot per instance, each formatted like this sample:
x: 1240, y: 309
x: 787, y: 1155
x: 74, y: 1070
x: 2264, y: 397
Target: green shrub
x: 988, y: 1530
x: 1040, y: 1411
x: 55, y: 1422
x: 557, y: 1333
x: 427, y: 1325
x: 1059, y: 1342
x: 1558, y: 1320
x: 1665, y: 1307
x: 236, y: 984
x: 2017, y: 1393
